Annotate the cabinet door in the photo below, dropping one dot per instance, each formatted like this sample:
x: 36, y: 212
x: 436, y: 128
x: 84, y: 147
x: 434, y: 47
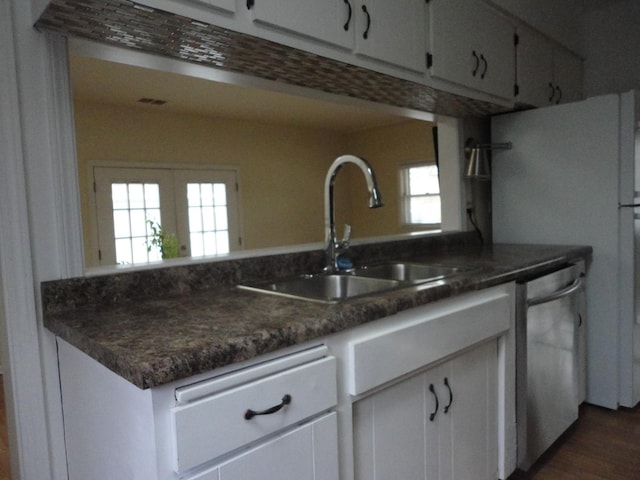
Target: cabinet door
x: 472, y: 46
x: 308, y: 452
x: 535, y: 69
x: 393, y: 434
x: 567, y: 72
x: 330, y: 21
x: 471, y: 433
x: 227, y: 5
x: 394, y: 32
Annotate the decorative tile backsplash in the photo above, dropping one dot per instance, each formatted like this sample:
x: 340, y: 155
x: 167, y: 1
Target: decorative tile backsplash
x: 120, y: 23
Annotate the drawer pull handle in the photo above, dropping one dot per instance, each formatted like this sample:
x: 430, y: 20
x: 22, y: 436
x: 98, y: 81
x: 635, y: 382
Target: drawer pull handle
x: 365, y: 35
x: 346, y: 25
x: 286, y: 400
x: 476, y: 65
x: 446, y: 382
x: 433, y: 391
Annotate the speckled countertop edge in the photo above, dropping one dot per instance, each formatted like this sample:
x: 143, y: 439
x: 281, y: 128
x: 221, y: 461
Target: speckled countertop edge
x: 155, y: 341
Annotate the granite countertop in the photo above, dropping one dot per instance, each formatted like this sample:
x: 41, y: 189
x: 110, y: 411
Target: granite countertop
x: 154, y: 341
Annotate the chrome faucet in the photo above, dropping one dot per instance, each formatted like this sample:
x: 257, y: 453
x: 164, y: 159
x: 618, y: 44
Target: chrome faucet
x: 333, y: 248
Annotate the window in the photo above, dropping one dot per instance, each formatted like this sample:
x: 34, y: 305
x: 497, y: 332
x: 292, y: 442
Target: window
x: 420, y: 192
x: 146, y: 214
x: 208, y: 225
x: 134, y: 205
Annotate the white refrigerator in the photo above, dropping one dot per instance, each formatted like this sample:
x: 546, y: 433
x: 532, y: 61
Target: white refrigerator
x: 571, y: 178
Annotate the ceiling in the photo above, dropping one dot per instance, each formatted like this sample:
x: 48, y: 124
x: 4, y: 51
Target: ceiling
x: 99, y: 81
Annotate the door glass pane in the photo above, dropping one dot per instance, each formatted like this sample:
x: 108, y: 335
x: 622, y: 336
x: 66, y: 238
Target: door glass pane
x: 136, y: 195
x: 206, y: 194
x: 151, y: 196
x: 208, y: 219
x: 219, y: 194
x: 208, y: 222
x: 134, y: 204
x: 221, y: 218
x: 121, y: 224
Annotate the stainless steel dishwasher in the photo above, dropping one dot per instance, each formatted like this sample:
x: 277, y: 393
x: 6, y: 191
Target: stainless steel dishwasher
x: 549, y: 359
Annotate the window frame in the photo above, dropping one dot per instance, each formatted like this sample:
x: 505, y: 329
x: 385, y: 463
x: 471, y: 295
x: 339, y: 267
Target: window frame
x: 169, y: 176
x: 405, y: 196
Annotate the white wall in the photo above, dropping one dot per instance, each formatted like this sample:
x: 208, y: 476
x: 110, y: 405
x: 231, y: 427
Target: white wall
x: 611, y: 43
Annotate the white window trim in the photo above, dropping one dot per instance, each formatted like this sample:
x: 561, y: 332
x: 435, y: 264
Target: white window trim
x: 403, y: 214
x: 93, y: 220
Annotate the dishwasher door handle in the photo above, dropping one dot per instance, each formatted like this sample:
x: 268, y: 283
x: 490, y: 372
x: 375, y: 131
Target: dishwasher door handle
x: 576, y: 285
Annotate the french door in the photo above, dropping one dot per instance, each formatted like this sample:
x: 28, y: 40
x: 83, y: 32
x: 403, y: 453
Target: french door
x: 147, y: 214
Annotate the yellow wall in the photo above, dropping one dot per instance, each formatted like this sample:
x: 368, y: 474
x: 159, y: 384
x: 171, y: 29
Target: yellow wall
x: 387, y: 149
x: 282, y: 168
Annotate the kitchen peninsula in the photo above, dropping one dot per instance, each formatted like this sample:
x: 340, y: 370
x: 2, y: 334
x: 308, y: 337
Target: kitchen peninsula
x: 173, y: 331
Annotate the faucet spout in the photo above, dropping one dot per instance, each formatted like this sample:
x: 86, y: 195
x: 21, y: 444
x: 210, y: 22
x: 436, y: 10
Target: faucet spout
x: 333, y: 248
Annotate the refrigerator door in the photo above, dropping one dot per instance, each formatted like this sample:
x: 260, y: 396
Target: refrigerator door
x: 559, y: 184
x: 628, y: 293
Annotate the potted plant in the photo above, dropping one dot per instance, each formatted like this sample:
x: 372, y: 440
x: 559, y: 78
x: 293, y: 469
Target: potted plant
x: 165, y: 241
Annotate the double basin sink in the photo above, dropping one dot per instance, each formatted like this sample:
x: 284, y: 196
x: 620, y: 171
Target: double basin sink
x: 369, y: 280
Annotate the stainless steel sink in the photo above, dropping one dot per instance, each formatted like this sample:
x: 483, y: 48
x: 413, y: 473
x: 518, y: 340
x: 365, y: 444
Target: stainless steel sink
x: 410, y: 272
x: 326, y: 288
x: 332, y: 288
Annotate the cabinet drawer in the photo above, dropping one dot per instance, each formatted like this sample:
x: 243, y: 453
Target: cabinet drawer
x: 425, y: 336
x: 215, y: 425
x: 307, y: 452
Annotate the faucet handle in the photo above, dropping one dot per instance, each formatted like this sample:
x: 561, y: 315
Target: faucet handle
x: 347, y: 235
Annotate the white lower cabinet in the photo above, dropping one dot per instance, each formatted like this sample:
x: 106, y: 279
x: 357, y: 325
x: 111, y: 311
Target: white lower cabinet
x: 428, y: 393
x: 438, y: 424
x: 308, y: 452
x: 201, y: 428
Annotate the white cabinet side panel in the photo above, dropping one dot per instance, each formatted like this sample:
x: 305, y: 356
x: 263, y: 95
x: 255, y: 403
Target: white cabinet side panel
x: 108, y: 423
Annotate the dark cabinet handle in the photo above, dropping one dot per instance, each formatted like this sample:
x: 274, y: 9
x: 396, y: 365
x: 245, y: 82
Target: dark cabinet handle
x: 346, y: 25
x: 477, y: 64
x: 559, y: 90
x: 579, y: 320
x: 365, y: 35
x: 433, y: 391
x: 553, y: 91
x: 486, y: 66
x: 446, y: 383
x: 286, y: 400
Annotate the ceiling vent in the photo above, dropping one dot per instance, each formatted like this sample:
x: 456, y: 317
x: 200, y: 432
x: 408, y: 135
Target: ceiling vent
x: 151, y: 101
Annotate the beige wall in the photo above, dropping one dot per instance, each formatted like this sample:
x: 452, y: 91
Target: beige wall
x: 282, y: 168
x: 387, y: 149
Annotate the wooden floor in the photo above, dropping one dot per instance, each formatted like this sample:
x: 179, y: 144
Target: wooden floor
x: 5, y: 471
x: 601, y: 445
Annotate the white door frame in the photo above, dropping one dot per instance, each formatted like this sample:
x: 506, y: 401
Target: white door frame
x: 40, y: 237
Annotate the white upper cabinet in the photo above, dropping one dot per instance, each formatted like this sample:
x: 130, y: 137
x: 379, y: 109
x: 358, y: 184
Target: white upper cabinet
x: 330, y: 21
x: 567, y: 75
x: 535, y: 68
x: 547, y: 74
x: 217, y: 12
x: 393, y: 32
x: 473, y: 46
